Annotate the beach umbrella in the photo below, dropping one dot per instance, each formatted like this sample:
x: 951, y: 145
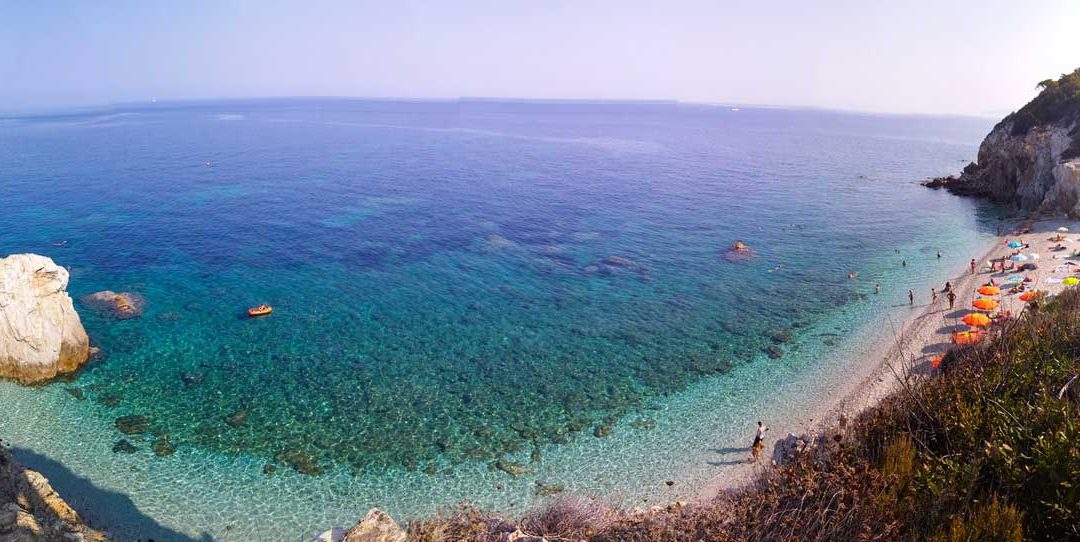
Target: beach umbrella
x: 986, y: 304
x: 1015, y: 244
x: 1019, y: 258
x: 1028, y: 296
x: 989, y: 290
x: 977, y: 319
x: 935, y: 361
x: 967, y: 337
x: 1063, y: 229
x: 1070, y: 281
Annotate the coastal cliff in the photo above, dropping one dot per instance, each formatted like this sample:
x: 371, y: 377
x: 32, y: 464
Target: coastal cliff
x: 41, y: 335
x: 30, y: 510
x: 1031, y: 159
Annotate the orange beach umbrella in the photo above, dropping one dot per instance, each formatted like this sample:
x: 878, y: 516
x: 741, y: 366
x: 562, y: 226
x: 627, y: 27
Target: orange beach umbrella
x: 935, y: 362
x: 1028, y: 295
x: 967, y: 337
x: 977, y: 319
x: 985, y: 304
x: 989, y: 290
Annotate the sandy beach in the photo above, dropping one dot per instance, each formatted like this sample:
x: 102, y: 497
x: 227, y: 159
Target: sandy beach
x: 919, y: 334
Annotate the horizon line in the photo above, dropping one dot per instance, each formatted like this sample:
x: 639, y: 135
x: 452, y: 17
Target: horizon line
x: 102, y: 107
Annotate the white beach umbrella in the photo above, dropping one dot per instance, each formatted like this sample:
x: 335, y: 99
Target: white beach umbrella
x: 1063, y: 229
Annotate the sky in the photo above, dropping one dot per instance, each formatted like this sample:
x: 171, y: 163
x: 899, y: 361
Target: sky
x: 915, y: 56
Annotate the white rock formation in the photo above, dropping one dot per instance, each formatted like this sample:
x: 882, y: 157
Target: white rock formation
x: 41, y: 335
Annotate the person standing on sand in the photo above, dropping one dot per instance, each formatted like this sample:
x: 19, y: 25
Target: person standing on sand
x: 759, y: 442
x: 933, y: 295
x: 973, y: 265
x: 952, y: 298
x: 911, y: 297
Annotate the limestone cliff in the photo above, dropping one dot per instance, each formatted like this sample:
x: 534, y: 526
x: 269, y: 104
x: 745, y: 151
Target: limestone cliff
x: 41, y: 335
x: 1031, y: 159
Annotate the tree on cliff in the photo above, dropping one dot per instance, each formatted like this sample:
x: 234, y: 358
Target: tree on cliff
x: 1058, y: 102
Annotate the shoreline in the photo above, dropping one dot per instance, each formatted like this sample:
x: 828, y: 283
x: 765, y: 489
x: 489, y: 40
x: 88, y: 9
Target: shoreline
x: 920, y: 335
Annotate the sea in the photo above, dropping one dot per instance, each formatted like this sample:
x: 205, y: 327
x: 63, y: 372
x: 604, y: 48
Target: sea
x: 480, y: 301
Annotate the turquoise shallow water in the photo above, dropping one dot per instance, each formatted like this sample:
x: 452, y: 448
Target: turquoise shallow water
x: 455, y: 284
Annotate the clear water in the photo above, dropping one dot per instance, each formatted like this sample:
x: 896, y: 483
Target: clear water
x: 454, y: 284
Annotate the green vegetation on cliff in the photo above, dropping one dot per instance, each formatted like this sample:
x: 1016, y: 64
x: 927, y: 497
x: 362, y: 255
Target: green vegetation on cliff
x: 988, y: 450
x: 1058, y: 102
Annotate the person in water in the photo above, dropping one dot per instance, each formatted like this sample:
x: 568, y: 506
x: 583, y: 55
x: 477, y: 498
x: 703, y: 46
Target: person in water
x: 852, y: 275
x: 877, y: 288
x: 911, y: 297
x: 759, y: 442
x: 939, y: 254
x: 903, y: 263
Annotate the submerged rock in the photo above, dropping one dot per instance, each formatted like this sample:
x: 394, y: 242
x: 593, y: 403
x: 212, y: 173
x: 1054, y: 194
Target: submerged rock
x: 544, y: 489
x: 300, y: 461
x: 191, y: 378
x: 76, y: 393
x: 269, y: 469
x: 602, y: 431
x: 122, y: 446
x: 133, y: 424
x: 108, y: 399
x: 238, y: 418
x: 511, y: 468
x: 119, y: 305
x: 782, y: 336
x: 41, y: 335
x: 162, y: 447
x: 773, y: 351
x: 643, y: 424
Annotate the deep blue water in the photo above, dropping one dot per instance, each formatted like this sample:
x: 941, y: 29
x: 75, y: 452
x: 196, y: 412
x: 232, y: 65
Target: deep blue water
x: 456, y: 282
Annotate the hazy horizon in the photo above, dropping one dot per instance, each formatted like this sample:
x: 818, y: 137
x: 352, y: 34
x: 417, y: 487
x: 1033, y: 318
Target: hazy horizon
x: 967, y: 58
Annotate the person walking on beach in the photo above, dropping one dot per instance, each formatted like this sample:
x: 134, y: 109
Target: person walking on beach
x: 973, y: 265
x: 759, y: 442
x: 933, y: 295
x: 952, y: 298
x: 911, y: 297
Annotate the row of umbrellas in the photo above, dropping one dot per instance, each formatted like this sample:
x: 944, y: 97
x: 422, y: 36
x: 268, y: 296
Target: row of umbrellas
x: 980, y: 320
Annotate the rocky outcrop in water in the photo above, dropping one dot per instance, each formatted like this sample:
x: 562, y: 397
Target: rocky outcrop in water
x: 30, y: 510
x: 119, y: 305
x: 41, y: 335
x: 1031, y: 159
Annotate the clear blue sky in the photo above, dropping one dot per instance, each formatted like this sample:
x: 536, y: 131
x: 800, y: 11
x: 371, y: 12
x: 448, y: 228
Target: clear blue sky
x: 914, y: 56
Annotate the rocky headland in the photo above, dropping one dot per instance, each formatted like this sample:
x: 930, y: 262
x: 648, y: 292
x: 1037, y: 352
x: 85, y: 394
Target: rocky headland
x: 1031, y: 159
x: 41, y: 336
